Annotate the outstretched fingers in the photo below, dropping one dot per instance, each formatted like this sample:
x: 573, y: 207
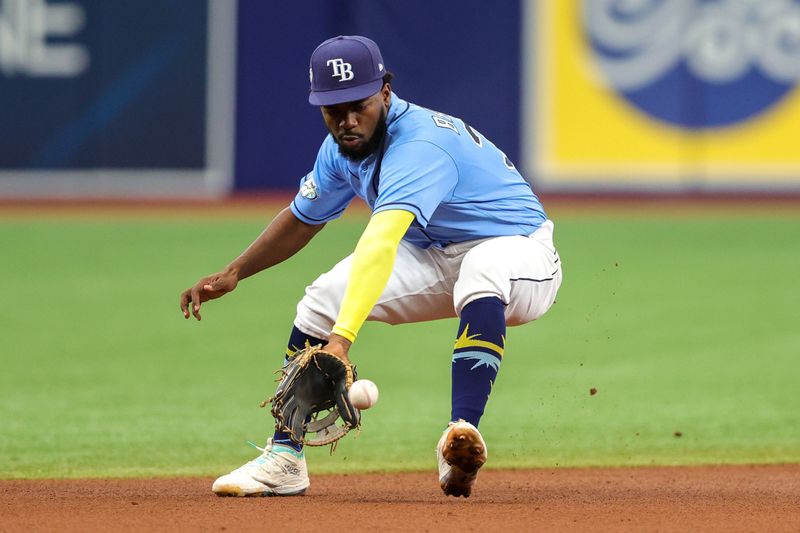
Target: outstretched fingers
x: 208, y: 288
x: 195, y: 293
x: 186, y: 297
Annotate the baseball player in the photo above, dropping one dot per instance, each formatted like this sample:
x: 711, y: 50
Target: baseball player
x: 455, y: 231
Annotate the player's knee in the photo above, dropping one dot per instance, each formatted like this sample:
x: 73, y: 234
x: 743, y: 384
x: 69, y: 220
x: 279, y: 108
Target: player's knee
x: 531, y: 299
x: 312, y: 322
x: 517, y: 270
x: 483, y: 274
x: 319, y: 307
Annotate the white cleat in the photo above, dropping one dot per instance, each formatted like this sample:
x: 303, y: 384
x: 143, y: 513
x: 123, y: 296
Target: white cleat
x: 278, y: 471
x: 461, y: 453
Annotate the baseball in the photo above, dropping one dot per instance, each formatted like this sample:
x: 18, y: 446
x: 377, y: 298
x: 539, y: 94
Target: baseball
x: 363, y: 394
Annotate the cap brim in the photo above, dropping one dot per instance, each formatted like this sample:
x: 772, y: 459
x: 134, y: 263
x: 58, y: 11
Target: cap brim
x: 340, y: 96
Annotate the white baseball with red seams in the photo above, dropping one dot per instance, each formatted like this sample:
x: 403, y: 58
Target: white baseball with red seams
x: 363, y: 394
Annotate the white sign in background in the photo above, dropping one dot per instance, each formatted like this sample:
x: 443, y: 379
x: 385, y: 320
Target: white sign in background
x: 25, y: 28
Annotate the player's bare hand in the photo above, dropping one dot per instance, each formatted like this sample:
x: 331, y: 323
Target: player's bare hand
x: 338, y: 346
x: 208, y: 288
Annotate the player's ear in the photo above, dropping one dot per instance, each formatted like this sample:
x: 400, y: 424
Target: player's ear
x: 386, y: 94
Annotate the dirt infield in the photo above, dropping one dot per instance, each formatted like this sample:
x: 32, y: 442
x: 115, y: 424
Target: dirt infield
x: 723, y: 498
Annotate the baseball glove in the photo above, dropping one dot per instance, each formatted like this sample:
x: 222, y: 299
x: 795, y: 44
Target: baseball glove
x: 312, y: 395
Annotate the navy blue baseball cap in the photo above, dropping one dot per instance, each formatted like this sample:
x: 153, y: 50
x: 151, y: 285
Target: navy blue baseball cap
x: 345, y: 69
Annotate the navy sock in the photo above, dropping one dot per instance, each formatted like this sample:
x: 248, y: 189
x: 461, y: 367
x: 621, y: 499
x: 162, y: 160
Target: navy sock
x: 476, y: 357
x: 297, y: 341
x: 283, y: 438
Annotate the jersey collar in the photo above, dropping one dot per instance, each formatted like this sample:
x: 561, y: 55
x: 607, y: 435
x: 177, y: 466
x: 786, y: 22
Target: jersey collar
x: 397, y: 109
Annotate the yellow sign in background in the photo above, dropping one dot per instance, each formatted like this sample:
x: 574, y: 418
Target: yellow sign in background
x: 583, y: 132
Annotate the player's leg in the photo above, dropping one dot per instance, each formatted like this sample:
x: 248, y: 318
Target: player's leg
x: 502, y: 281
x: 281, y: 468
x: 477, y: 354
x: 418, y: 290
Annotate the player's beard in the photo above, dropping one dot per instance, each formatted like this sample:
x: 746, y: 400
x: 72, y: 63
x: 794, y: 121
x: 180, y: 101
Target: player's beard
x: 369, y: 147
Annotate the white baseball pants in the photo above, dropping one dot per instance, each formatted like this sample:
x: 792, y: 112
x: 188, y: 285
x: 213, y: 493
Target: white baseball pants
x: 524, y: 272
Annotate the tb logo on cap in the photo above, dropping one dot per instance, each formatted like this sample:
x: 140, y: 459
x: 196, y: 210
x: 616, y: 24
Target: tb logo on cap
x: 341, y: 69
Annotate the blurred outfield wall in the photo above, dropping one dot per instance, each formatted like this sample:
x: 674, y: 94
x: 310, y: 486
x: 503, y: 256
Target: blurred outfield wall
x: 204, y: 97
x: 112, y: 98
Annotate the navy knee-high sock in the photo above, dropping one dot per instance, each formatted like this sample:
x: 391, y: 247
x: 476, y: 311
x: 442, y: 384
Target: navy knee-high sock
x: 476, y: 357
x: 297, y: 341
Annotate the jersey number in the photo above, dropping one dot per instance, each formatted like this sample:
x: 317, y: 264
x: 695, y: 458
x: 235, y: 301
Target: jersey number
x: 447, y: 122
x: 478, y: 140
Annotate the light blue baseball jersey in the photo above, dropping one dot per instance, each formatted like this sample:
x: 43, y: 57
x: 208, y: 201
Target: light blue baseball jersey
x: 458, y: 185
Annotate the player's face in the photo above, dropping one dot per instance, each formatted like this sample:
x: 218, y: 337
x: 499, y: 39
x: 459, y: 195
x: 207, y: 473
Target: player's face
x: 358, y: 127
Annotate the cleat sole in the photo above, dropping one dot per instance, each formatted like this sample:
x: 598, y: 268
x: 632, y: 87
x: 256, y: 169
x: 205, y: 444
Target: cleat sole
x: 463, y: 449
x: 465, y: 452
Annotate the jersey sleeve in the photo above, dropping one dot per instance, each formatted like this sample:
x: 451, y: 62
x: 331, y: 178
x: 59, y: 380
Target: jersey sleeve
x: 416, y: 176
x: 324, y: 192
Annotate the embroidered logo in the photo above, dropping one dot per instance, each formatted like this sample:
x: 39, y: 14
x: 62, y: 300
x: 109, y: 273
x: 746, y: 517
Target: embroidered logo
x: 308, y: 189
x: 341, y: 69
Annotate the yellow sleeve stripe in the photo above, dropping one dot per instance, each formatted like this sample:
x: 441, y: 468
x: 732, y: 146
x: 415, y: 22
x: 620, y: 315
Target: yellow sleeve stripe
x: 371, y: 267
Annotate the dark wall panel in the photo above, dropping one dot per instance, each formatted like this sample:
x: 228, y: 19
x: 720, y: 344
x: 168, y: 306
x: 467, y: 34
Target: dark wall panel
x: 459, y: 57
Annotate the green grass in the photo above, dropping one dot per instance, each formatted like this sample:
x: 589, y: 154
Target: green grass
x: 682, y: 325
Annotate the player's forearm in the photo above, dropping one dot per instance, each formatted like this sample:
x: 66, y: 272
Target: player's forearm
x: 372, y: 264
x: 285, y: 236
